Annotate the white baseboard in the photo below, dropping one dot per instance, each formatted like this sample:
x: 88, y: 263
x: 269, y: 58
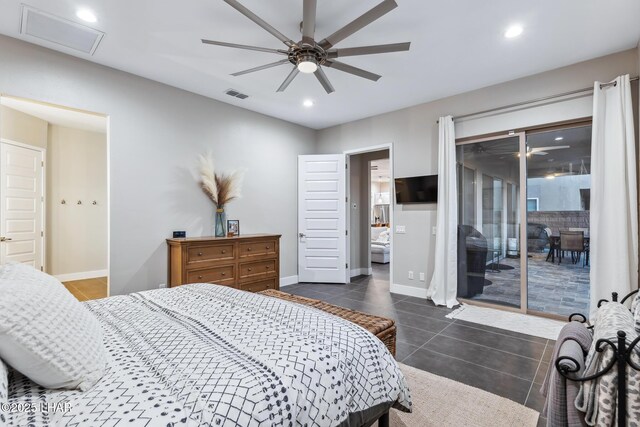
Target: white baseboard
x: 361, y: 272
x: 81, y: 275
x: 408, y: 290
x: 286, y: 281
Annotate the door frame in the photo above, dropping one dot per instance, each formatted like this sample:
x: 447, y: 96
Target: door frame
x: 363, y: 150
x: 43, y: 201
x: 522, y: 149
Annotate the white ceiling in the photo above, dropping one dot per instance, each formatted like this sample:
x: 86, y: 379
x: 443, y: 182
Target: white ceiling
x: 57, y: 115
x: 457, y: 46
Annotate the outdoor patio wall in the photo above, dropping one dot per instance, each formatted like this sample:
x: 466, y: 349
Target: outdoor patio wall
x: 414, y: 134
x: 560, y: 220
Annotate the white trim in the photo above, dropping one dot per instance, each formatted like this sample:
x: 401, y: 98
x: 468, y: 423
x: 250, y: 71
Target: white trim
x: 81, y: 275
x: 411, y: 291
x: 361, y: 271
x: 290, y: 280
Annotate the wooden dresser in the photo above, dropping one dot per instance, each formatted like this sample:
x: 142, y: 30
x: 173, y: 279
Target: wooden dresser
x: 250, y: 263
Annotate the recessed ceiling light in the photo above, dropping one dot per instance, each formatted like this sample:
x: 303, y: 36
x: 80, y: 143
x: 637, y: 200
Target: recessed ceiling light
x: 559, y: 138
x: 513, y: 31
x: 86, y: 15
x: 308, y: 103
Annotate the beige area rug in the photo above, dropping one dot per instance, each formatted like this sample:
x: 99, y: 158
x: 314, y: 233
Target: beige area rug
x: 442, y: 402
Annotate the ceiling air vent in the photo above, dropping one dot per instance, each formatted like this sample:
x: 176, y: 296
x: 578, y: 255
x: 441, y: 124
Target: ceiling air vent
x: 53, y: 29
x: 236, y: 94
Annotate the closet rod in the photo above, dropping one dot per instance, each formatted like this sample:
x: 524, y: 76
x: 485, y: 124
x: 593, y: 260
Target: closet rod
x: 535, y: 101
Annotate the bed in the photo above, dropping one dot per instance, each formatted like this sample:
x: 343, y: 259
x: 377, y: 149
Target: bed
x: 210, y: 355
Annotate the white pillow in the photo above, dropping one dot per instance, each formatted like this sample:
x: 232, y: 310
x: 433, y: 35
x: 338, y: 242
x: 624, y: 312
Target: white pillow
x: 383, y: 237
x: 45, y: 333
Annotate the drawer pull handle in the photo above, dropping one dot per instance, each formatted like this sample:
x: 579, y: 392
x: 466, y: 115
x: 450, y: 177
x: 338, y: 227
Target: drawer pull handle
x: 250, y: 269
x: 224, y: 274
x: 248, y: 249
x: 224, y: 251
x: 268, y: 247
x: 199, y: 253
x: 267, y: 267
x: 199, y: 277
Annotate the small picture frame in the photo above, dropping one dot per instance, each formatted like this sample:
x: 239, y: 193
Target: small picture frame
x: 233, y: 228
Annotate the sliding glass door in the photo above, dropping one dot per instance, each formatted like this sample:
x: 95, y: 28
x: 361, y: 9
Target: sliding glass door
x: 558, y: 204
x: 490, y: 267
x: 523, y: 233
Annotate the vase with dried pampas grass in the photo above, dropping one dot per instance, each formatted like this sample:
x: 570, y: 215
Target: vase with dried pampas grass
x: 221, y: 189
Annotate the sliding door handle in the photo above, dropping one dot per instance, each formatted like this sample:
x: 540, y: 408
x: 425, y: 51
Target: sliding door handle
x: 302, y: 235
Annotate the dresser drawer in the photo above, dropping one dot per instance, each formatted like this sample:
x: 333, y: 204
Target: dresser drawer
x: 261, y: 247
x: 196, y: 254
x: 222, y: 275
x: 261, y: 285
x: 250, y: 271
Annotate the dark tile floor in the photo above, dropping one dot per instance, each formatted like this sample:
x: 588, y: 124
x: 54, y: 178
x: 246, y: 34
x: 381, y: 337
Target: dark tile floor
x: 502, y: 362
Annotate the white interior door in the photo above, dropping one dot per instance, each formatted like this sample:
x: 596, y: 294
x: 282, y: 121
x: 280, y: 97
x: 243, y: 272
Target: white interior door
x: 322, y: 219
x: 21, y: 205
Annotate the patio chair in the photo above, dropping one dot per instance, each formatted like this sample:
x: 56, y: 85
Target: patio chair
x: 572, y: 241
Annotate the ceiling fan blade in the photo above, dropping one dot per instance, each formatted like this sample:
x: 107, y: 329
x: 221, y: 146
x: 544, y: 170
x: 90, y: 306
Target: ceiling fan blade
x: 262, y: 67
x: 352, y: 70
x: 358, y: 23
x: 539, y: 153
x: 309, y: 21
x: 324, y: 81
x: 255, y: 18
x: 292, y: 75
x: 555, y: 147
x: 242, y: 46
x: 369, y: 50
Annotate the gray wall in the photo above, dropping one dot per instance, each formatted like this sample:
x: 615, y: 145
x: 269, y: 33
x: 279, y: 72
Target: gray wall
x: 155, y: 134
x: 414, y: 134
x: 559, y: 194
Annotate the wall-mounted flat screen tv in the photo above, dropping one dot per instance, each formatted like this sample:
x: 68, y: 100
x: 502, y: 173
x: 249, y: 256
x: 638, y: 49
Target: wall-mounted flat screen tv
x: 417, y: 189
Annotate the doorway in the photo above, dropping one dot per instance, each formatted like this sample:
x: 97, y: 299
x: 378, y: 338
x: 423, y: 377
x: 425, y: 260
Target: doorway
x: 54, y: 193
x: 523, y: 234
x: 370, y: 215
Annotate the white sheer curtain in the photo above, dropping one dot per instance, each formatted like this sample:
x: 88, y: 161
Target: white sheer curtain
x: 614, y: 207
x: 444, y: 282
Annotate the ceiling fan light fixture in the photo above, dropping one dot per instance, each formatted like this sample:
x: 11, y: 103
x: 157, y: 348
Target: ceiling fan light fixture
x: 307, y: 64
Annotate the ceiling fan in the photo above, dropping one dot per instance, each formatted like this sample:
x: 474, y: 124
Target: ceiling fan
x: 309, y: 56
x: 542, y: 151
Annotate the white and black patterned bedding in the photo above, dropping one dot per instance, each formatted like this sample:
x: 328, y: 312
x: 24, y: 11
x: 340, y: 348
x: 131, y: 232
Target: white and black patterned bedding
x: 211, y: 355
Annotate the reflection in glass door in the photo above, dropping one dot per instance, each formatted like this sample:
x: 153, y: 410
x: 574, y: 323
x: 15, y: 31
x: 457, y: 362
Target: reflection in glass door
x: 489, y: 247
